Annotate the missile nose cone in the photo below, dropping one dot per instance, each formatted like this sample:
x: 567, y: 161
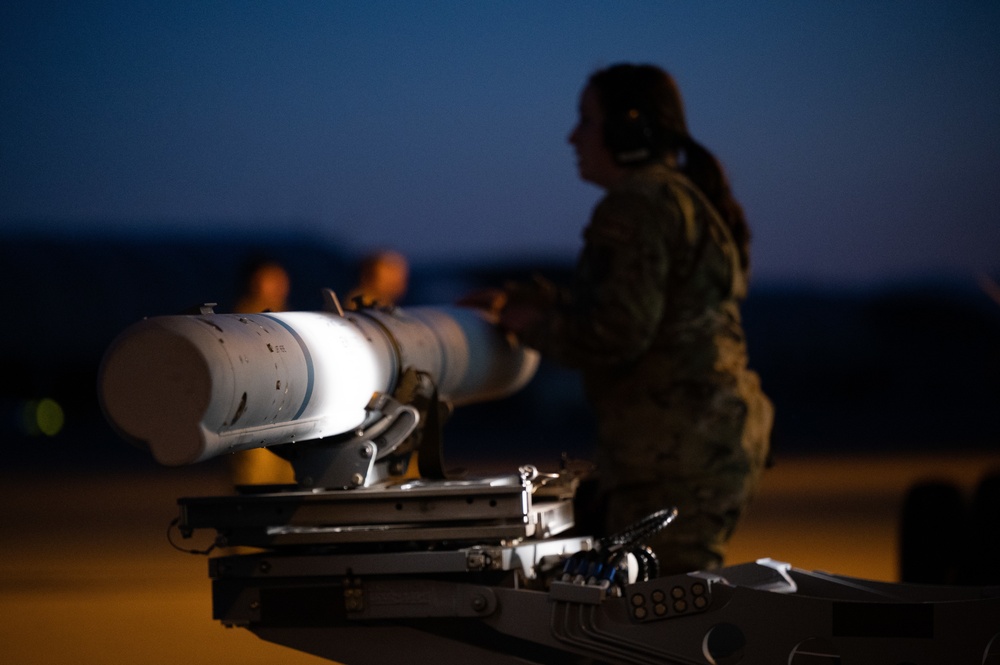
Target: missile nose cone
x: 155, y: 386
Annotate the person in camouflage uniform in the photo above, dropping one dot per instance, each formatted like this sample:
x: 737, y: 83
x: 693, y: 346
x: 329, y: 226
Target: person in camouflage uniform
x: 652, y: 321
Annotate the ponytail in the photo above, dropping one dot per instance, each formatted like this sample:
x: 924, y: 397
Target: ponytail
x: 705, y: 171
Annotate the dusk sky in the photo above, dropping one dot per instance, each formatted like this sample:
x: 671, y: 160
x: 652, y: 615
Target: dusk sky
x: 862, y: 137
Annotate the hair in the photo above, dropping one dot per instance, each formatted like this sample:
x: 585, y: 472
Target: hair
x: 370, y: 262
x: 253, y: 264
x: 644, y: 123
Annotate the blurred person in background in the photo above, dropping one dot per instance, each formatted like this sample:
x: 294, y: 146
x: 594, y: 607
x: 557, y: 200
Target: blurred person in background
x: 265, y: 288
x: 383, y: 278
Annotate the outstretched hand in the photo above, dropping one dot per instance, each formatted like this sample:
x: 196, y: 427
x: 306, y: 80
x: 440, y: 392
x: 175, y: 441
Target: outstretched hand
x: 489, y: 300
x: 513, y: 315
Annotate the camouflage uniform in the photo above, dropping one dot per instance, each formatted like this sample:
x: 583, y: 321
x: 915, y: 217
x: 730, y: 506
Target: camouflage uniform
x: 653, y: 323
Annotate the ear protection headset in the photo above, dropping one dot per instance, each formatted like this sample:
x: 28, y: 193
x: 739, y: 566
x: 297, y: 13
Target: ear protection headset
x: 629, y: 136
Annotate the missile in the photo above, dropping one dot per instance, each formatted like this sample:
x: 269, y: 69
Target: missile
x: 192, y: 387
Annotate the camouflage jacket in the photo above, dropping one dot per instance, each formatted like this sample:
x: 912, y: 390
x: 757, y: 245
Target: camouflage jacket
x: 652, y: 319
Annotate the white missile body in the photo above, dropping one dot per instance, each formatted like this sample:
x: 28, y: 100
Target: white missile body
x: 196, y: 386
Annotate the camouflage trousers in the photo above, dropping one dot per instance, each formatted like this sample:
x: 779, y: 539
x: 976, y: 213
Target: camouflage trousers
x: 707, y: 514
x: 705, y: 459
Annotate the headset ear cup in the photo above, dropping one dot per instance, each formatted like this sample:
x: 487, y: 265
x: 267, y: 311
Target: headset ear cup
x: 630, y: 137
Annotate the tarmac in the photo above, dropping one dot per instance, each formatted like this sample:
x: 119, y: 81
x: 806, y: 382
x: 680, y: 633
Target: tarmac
x: 87, y: 575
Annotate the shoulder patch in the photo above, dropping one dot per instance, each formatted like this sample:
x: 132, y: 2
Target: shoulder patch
x: 616, y: 229
x: 616, y: 219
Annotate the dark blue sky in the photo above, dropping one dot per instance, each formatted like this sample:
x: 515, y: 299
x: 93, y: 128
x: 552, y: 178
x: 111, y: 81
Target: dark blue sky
x: 861, y: 136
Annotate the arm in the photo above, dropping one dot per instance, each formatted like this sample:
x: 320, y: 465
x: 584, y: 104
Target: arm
x: 611, y: 314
